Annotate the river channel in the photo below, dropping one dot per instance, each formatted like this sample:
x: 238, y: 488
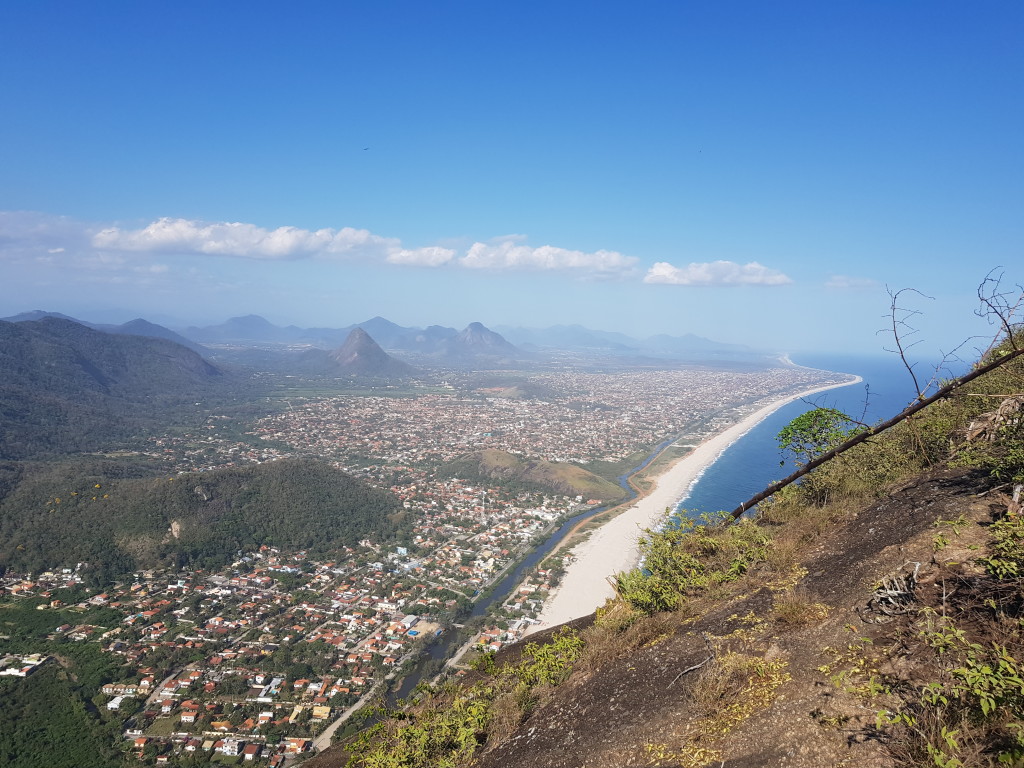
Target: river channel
x: 449, y: 642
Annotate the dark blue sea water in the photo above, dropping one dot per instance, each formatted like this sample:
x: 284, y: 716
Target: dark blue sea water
x: 752, y: 463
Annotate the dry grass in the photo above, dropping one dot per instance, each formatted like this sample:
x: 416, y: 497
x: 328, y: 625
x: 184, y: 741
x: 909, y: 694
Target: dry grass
x: 507, y: 712
x: 619, y: 631
x: 797, y: 608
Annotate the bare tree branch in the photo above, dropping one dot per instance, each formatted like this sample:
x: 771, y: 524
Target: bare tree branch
x: 901, y: 329
x: 997, y: 309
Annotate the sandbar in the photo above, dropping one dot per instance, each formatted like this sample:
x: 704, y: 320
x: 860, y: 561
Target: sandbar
x: 615, y: 546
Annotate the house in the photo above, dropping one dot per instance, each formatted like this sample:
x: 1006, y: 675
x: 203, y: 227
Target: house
x: 295, y: 746
x: 231, y: 747
x: 189, y: 712
x: 252, y: 751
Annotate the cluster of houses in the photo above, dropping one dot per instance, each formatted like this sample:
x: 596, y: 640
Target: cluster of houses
x: 16, y: 665
x: 164, y: 751
x: 589, y: 416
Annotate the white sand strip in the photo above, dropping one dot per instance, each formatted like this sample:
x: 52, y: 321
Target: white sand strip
x: 614, y: 547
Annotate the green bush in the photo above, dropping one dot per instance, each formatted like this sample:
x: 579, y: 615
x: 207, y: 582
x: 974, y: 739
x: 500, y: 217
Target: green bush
x: 447, y: 727
x: 685, y: 560
x: 1006, y: 560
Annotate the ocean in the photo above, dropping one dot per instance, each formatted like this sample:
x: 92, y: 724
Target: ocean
x: 752, y: 463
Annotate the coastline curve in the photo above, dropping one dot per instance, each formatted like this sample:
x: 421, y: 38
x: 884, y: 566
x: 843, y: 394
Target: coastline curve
x: 614, y: 547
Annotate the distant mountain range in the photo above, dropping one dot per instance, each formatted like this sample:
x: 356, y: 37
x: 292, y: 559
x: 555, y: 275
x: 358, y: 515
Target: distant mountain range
x: 476, y: 342
x: 445, y: 344
x: 475, y: 345
x: 578, y: 338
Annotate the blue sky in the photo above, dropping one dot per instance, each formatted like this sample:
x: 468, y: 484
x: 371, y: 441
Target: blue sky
x: 747, y: 171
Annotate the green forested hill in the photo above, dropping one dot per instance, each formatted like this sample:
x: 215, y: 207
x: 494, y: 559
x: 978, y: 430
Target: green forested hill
x: 511, y: 470
x: 65, y: 387
x: 52, y: 514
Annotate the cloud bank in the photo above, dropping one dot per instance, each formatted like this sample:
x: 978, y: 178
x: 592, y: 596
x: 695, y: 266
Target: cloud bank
x: 243, y: 240
x: 42, y: 236
x: 250, y: 241
x: 511, y: 253
x: 715, y: 273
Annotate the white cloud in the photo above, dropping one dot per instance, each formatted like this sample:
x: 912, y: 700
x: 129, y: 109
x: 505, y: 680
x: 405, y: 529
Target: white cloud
x: 243, y: 240
x: 715, y: 273
x: 847, y: 283
x: 510, y: 253
x: 432, y: 256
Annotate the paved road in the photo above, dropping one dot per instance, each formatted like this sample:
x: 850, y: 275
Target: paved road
x: 454, y: 660
x: 323, y: 741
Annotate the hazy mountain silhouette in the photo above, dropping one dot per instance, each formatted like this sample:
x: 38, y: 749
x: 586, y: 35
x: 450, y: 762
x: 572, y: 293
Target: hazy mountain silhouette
x: 360, y: 355
x: 39, y: 314
x: 481, y: 344
x: 476, y: 340
x: 248, y: 328
x: 140, y: 327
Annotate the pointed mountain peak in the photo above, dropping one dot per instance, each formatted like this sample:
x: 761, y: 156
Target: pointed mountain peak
x: 362, y: 356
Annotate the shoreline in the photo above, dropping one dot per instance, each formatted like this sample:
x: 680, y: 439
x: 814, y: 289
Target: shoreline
x: 614, y: 547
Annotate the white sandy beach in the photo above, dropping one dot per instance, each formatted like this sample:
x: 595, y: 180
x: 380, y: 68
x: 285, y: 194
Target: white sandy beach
x: 614, y: 547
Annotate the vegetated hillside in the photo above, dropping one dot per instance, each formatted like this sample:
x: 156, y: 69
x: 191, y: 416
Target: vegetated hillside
x: 53, y: 514
x: 49, y: 720
x: 511, y: 470
x: 869, y: 616
x: 65, y: 387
